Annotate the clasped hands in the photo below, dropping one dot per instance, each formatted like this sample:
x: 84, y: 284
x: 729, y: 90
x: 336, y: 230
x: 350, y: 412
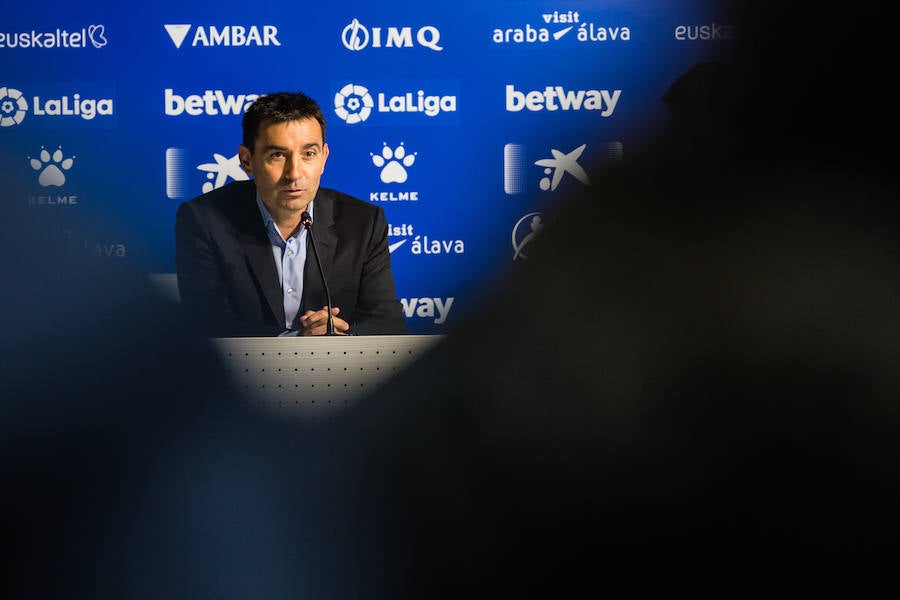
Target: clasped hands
x: 315, y: 322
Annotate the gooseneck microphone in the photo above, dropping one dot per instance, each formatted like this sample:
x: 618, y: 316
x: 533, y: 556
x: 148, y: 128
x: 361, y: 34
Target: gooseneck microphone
x: 306, y: 221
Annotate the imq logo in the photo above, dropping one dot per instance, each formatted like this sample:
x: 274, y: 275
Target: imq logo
x: 227, y: 35
x: 357, y: 36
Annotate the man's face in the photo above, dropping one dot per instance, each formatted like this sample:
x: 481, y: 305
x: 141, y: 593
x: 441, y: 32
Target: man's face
x: 287, y: 163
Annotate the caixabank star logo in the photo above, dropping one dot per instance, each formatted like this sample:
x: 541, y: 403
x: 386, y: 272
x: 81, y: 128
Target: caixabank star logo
x: 559, y: 167
x: 182, y: 178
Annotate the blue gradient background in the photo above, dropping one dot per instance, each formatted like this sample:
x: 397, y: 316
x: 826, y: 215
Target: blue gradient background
x: 119, y: 171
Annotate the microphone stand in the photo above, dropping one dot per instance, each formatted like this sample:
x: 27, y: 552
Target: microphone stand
x: 306, y: 220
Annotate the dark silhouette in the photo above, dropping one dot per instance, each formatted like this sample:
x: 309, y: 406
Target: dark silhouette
x: 701, y: 390
x: 698, y: 394
x: 705, y: 120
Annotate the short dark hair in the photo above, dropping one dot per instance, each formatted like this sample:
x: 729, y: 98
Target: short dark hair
x: 279, y: 107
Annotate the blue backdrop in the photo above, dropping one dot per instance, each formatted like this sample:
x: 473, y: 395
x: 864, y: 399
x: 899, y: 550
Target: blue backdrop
x: 464, y: 120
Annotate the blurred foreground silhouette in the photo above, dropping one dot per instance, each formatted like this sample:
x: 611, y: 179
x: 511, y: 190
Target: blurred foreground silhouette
x: 692, y: 386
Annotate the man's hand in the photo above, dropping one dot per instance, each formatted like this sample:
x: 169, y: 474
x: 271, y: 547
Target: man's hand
x: 315, y: 322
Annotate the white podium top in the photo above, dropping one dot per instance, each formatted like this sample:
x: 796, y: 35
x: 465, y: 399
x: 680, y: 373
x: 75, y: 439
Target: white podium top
x: 312, y: 378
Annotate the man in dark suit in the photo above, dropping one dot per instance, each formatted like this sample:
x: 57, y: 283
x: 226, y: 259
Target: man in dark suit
x: 246, y: 263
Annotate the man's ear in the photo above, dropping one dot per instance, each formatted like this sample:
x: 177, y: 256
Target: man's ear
x: 244, y: 154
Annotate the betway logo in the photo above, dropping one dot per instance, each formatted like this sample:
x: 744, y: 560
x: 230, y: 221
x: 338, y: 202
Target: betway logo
x: 228, y: 35
x: 212, y: 102
x: 558, y: 98
x: 427, y: 308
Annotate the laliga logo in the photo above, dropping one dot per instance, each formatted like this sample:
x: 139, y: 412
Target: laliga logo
x: 12, y: 107
x: 355, y: 36
x: 353, y: 104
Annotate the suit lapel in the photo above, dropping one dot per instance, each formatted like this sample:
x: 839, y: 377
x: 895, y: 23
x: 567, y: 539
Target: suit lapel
x: 253, y: 239
x: 323, y: 228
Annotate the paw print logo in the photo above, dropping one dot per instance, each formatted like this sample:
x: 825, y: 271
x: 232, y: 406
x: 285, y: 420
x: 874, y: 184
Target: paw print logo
x: 51, y: 167
x: 393, y: 163
x: 353, y: 103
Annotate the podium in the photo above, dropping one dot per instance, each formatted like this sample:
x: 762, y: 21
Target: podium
x: 314, y: 378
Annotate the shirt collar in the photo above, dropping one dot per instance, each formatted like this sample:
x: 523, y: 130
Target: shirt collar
x: 267, y: 217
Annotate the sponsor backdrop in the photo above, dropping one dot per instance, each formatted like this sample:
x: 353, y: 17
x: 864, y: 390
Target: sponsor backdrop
x: 465, y: 121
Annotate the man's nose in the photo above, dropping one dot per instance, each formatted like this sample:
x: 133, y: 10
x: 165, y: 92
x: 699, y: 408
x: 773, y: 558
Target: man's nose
x: 292, y: 169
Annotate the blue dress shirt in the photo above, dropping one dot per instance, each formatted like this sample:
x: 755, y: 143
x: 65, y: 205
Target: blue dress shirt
x: 290, y: 260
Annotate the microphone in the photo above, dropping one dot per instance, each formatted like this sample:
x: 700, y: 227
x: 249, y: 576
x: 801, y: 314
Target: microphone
x: 306, y: 221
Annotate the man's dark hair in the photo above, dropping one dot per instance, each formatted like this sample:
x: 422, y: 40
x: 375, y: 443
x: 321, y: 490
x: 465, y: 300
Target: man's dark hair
x: 279, y: 107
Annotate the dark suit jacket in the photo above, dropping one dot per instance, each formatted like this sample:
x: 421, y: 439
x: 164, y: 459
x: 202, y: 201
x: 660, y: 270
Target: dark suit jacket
x: 227, y: 276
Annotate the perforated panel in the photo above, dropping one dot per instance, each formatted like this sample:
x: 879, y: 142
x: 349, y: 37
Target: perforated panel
x: 314, y: 377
